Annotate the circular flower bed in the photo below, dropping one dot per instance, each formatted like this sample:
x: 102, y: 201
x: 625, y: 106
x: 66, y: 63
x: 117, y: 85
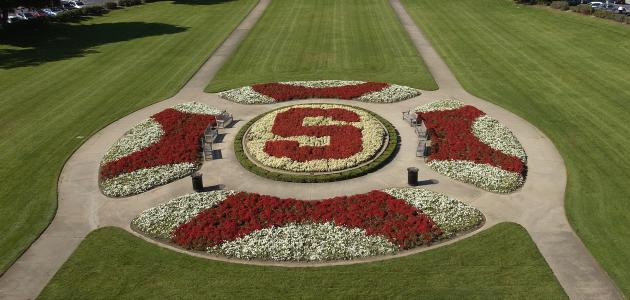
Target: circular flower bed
x: 470, y: 146
x: 315, y: 143
x: 376, y: 92
x: 253, y: 226
x: 157, y: 150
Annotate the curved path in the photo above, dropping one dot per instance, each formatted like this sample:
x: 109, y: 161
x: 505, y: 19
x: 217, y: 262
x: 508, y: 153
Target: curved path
x: 538, y: 206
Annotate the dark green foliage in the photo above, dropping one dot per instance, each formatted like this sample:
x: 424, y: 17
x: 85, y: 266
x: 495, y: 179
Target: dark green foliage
x: 585, y: 9
x: 129, y: 2
x: 561, y: 5
x: 111, y: 5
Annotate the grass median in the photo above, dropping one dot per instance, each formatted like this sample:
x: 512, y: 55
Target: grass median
x: 568, y: 75
x: 325, y: 39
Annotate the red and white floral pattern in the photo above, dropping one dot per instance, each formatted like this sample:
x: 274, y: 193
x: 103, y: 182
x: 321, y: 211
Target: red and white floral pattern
x: 337, y: 89
x: 468, y: 145
x: 253, y: 226
x: 156, y: 151
x: 315, y: 138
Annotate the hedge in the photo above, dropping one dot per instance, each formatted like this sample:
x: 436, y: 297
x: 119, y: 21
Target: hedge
x: 385, y: 157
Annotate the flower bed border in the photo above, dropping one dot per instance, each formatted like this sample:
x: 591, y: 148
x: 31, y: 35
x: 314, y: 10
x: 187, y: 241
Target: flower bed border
x: 463, y: 234
x: 384, y: 156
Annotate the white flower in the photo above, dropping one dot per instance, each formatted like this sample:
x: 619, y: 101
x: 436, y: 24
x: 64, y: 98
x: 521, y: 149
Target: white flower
x: 246, y: 95
x: 498, y: 137
x: 198, y: 108
x: 373, y: 138
x: 484, y: 176
x: 446, y: 104
x: 450, y: 215
x: 142, y: 180
x: 392, y: 93
x: 143, y: 135
x: 160, y: 221
x: 306, y: 242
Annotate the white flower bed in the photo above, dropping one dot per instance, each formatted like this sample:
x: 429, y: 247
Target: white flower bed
x: 323, y: 83
x: 373, y: 137
x: 198, y: 108
x: 145, y: 179
x: 487, y: 177
x: 392, y: 93
x: 137, y: 138
x: 306, y: 242
x: 441, y: 105
x: 159, y: 221
x: 494, y: 134
x: 246, y: 95
x: 450, y: 215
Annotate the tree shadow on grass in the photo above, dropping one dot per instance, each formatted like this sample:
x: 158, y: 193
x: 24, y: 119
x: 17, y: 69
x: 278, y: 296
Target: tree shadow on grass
x: 64, y: 41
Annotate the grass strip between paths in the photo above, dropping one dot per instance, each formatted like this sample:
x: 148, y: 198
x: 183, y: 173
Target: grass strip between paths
x: 325, y: 39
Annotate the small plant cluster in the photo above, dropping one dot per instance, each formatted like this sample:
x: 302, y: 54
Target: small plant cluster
x: 253, y: 226
x: 470, y: 146
x: 156, y: 151
x: 377, y: 92
x: 336, y: 139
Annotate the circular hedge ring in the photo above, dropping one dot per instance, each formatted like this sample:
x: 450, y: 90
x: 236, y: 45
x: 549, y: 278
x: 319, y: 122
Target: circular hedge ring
x: 338, y: 142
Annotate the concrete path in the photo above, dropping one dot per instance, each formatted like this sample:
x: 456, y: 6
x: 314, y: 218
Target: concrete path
x: 538, y: 206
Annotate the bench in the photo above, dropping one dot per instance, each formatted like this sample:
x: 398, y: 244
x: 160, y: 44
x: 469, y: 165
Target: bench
x: 224, y: 119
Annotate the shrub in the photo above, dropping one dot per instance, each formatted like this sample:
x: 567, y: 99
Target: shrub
x: 111, y: 5
x: 69, y: 16
x: 95, y: 10
x: 561, y: 5
x: 129, y: 2
x: 585, y: 9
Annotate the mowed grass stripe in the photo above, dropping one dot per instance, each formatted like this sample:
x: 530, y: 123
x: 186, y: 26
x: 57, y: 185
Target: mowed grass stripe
x: 568, y: 75
x: 71, y: 80
x: 325, y: 39
x: 499, y: 263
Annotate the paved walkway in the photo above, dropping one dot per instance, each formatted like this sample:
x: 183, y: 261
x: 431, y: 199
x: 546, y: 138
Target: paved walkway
x: 538, y: 206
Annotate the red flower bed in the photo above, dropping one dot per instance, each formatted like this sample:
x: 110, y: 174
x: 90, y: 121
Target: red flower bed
x: 285, y: 92
x: 179, y: 144
x: 452, y: 139
x: 376, y: 212
x: 345, y: 140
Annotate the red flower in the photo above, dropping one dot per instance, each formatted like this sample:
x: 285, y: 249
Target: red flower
x: 452, y: 139
x: 285, y: 92
x: 377, y: 212
x: 179, y: 144
x: 345, y: 140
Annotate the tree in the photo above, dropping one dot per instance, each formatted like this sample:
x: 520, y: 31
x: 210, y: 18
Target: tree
x: 8, y: 5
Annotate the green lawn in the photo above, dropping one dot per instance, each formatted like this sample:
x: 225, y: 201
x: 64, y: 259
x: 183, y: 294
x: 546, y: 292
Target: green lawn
x: 570, y: 76
x: 60, y: 85
x: 499, y: 263
x: 325, y: 39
